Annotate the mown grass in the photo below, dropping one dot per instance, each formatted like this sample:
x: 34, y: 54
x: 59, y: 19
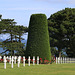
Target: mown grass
x: 42, y: 69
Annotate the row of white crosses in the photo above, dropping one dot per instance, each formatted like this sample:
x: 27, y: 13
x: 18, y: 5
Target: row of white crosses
x: 63, y: 60
x: 11, y: 59
x: 14, y: 58
x: 33, y: 60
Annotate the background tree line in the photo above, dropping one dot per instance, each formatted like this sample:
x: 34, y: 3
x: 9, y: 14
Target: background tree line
x: 61, y: 26
x: 13, y: 44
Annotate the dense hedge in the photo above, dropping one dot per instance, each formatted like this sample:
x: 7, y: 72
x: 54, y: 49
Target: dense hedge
x: 38, y: 37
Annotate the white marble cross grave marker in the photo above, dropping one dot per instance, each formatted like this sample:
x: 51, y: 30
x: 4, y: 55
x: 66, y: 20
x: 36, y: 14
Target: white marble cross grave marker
x: 29, y: 60
x: 33, y: 60
x: 56, y: 60
x: 7, y: 57
x: 18, y: 61
x: 0, y: 57
x: 65, y: 59
x: 37, y: 60
x: 12, y: 61
x: 5, y: 62
x: 61, y: 60
x: 23, y: 60
x: 70, y: 60
x: 15, y: 59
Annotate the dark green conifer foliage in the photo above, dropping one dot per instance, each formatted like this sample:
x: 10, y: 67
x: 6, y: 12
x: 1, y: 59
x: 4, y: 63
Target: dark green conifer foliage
x: 38, y: 37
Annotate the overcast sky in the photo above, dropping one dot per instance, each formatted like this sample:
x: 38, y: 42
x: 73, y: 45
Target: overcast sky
x: 20, y: 10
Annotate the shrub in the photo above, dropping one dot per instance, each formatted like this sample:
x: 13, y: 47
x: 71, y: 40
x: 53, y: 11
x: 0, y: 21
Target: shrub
x: 38, y: 37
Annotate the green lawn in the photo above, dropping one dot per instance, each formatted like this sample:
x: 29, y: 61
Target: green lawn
x: 49, y: 69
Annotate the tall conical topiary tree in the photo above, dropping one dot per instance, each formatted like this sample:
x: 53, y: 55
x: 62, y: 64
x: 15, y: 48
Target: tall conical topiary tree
x: 38, y: 37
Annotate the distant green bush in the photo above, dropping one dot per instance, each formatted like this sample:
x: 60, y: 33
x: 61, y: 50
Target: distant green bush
x: 38, y: 37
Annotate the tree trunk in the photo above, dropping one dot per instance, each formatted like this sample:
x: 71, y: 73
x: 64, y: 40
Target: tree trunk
x: 59, y: 50
x: 19, y: 38
x: 59, y: 53
x: 12, y: 51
